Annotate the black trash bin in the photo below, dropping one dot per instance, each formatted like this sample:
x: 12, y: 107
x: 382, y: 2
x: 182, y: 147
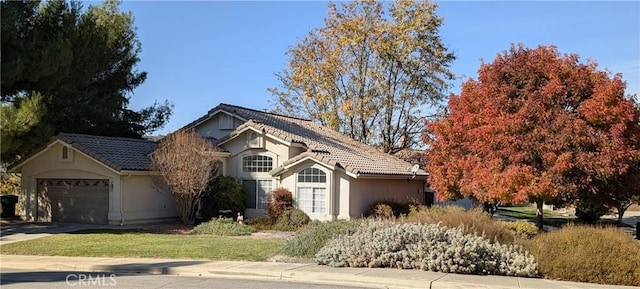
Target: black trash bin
x: 8, y: 205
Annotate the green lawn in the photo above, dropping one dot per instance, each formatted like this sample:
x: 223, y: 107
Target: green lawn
x: 549, y: 217
x: 135, y: 244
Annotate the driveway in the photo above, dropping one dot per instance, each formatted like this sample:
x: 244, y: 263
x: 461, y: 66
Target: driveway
x: 12, y: 231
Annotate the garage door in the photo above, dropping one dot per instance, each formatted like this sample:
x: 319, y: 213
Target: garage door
x: 73, y: 200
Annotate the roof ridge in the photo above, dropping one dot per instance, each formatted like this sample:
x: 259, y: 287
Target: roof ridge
x: 104, y: 137
x: 265, y: 112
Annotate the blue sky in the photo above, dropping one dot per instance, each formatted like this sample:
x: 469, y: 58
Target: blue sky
x: 199, y: 54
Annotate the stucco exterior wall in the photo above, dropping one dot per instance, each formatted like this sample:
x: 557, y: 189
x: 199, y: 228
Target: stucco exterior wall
x: 143, y: 202
x: 343, y: 195
x: 364, y: 192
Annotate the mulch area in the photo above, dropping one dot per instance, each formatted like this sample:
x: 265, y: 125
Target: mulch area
x: 175, y: 228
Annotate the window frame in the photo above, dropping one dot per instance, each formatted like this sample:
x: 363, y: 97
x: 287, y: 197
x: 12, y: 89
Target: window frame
x: 258, y: 168
x: 308, y: 181
x: 266, y: 197
x: 66, y: 154
x: 225, y: 122
x: 254, y: 140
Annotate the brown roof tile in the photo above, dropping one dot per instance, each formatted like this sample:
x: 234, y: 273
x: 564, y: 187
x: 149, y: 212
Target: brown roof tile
x: 354, y: 156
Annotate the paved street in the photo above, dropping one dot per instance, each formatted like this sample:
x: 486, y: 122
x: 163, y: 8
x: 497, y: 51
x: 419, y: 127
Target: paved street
x: 12, y: 278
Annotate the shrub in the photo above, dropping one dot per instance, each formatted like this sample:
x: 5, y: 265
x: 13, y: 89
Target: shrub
x: 588, y: 254
x: 223, y: 227
x: 313, y: 237
x: 427, y: 247
x: 223, y: 193
x: 383, y: 211
x: 260, y: 223
x: 520, y: 228
x: 281, y: 201
x: 590, y: 213
x: 472, y: 221
x: 292, y: 220
x: 389, y: 208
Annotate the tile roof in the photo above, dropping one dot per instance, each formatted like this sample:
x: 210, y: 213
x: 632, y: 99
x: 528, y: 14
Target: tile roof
x: 115, y: 152
x: 323, y: 144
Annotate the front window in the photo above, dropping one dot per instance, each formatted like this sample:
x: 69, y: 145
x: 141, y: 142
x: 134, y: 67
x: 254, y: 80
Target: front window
x: 257, y: 164
x: 312, y: 190
x: 312, y: 200
x: 258, y: 193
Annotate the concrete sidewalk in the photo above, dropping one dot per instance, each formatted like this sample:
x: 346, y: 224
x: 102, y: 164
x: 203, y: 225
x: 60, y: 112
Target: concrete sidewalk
x: 293, y: 272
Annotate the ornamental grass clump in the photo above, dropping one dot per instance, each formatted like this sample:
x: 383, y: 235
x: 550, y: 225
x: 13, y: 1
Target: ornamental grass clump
x: 313, y: 237
x: 429, y: 247
x: 473, y: 221
x: 588, y: 254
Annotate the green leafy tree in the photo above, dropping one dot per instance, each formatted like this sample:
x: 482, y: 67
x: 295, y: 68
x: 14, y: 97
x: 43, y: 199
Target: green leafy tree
x: 370, y: 73
x: 20, y: 126
x: 82, y: 63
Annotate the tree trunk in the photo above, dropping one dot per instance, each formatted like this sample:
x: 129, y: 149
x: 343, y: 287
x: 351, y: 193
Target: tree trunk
x: 621, y: 209
x: 185, y: 204
x: 539, y: 212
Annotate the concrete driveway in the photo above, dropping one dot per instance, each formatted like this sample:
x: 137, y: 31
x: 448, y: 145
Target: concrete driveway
x: 12, y: 231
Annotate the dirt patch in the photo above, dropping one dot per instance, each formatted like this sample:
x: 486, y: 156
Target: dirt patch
x: 175, y: 228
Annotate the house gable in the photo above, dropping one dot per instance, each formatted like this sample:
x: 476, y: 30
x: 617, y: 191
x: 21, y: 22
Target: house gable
x: 50, y: 162
x: 253, y: 142
x: 217, y: 124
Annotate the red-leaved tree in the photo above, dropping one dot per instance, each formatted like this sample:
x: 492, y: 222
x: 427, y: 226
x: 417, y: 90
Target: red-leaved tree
x: 536, y: 125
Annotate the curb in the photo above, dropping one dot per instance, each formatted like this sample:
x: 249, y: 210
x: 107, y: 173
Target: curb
x: 285, y: 272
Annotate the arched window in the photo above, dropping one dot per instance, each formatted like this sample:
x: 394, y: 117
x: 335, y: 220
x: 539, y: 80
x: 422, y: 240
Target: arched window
x: 253, y: 140
x: 312, y: 190
x: 312, y: 175
x: 257, y: 164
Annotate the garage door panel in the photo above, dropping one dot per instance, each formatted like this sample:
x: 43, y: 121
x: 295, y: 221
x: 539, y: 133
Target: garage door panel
x: 74, y: 200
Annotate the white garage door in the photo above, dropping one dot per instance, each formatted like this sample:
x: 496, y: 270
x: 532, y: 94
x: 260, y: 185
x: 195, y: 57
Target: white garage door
x: 73, y: 200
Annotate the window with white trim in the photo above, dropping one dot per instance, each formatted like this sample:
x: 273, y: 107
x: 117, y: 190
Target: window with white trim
x: 253, y: 140
x: 225, y: 121
x: 312, y: 190
x: 257, y: 164
x: 258, y: 193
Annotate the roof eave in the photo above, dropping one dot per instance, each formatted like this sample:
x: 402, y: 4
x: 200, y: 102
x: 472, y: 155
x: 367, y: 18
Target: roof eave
x: 282, y: 169
x: 391, y: 176
x: 16, y: 168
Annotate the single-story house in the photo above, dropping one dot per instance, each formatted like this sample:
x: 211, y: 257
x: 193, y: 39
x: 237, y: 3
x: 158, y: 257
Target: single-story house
x: 94, y: 179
